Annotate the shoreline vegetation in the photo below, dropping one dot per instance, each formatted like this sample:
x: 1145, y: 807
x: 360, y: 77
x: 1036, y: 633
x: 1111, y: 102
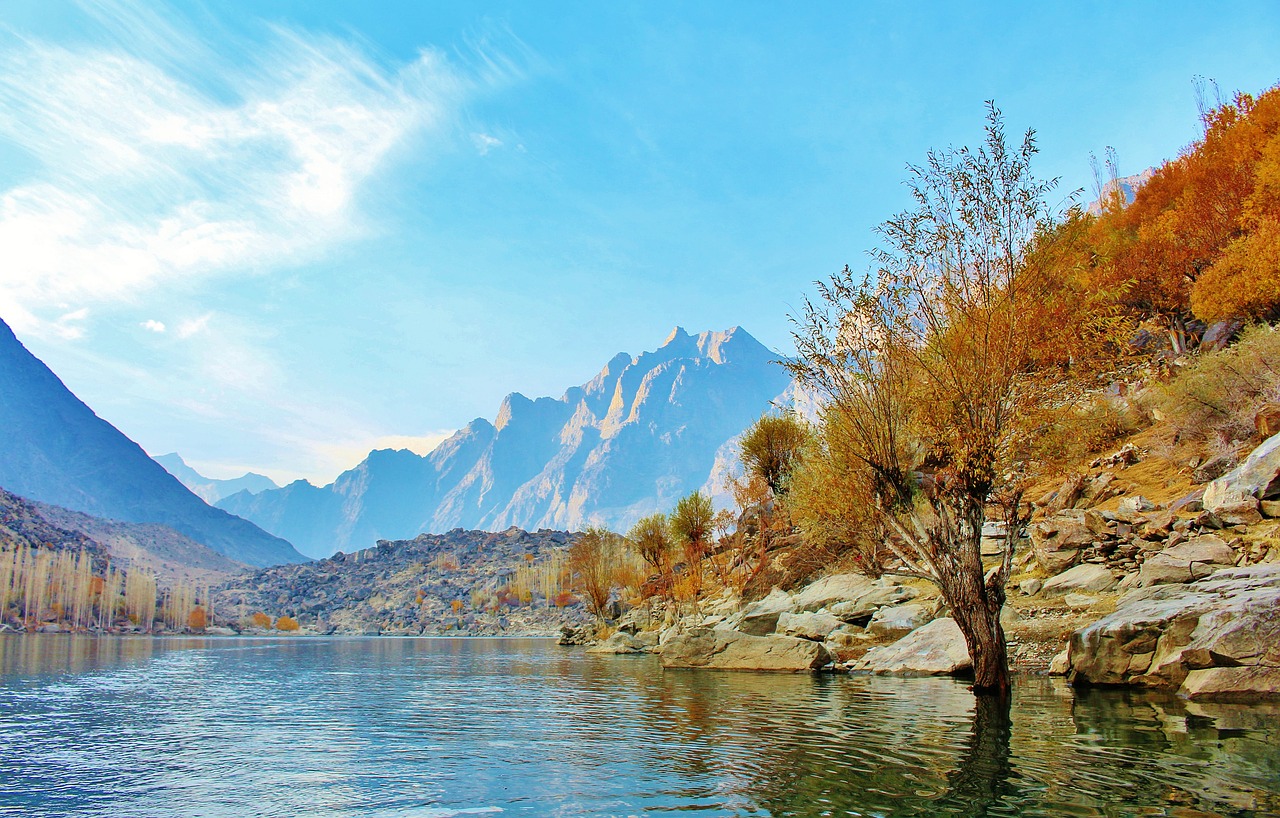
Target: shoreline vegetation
x: 1048, y: 441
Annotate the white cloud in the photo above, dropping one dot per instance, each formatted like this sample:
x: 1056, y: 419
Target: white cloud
x: 153, y: 325
x: 147, y: 176
x: 485, y: 143
x: 194, y: 326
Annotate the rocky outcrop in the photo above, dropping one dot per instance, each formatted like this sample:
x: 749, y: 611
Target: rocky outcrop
x: 808, y: 625
x: 620, y: 643
x: 1087, y: 578
x: 896, y: 621
x: 1234, y: 496
x: 1188, y: 561
x: 1058, y: 540
x: 435, y: 584
x: 761, y: 618
x: 937, y: 649
x: 1218, y: 637
x: 733, y: 650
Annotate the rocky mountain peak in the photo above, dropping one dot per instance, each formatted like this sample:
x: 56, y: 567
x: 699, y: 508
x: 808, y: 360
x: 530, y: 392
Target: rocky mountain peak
x: 644, y: 431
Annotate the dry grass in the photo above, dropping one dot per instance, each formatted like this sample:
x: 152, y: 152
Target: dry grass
x: 1206, y: 412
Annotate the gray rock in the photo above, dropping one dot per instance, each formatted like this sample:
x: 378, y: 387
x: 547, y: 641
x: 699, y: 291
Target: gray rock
x: 731, y: 650
x: 1162, y: 636
x: 1057, y: 541
x: 1257, y: 477
x: 1060, y: 665
x: 1087, y: 578
x: 620, y: 643
x: 937, y: 649
x: 896, y: 621
x: 1077, y: 601
x: 808, y: 625
x: 761, y: 618
x: 830, y: 590
x: 882, y: 592
x: 1135, y: 505
x: 1188, y: 561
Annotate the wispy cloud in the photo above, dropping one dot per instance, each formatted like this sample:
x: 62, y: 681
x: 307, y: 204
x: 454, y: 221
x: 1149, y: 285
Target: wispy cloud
x: 147, y: 175
x: 153, y: 325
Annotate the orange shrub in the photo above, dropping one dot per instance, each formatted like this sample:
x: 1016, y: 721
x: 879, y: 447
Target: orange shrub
x: 286, y: 623
x: 198, y: 620
x: 260, y: 620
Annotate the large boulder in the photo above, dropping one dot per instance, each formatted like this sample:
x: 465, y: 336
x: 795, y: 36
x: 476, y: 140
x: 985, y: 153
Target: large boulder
x: 808, y: 625
x: 937, y: 649
x: 1257, y: 478
x: 1058, y: 540
x: 732, y: 650
x: 896, y: 621
x: 1215, y: 638
x: 1087, y: 578
x: 882, y: 592
x: 1188, y: 561
x: 619, y: 643
x: 833, y: 589
x: 761, y: 618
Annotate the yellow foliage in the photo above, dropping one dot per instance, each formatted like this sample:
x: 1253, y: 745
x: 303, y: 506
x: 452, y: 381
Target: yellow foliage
x: 198, y: 620
x: 260, y: 620
x: 286, y: 623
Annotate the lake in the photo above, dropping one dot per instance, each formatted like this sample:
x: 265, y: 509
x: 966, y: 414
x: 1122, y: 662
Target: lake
x: 432, y: 728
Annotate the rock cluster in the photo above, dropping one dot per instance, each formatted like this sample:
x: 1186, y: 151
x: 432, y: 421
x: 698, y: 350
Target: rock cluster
x: 435, y: 584
x: 1217, y: 637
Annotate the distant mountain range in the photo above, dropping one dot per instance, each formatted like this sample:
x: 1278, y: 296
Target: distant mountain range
x: 56, y: 450
x: 207, y: 488
x: 632, y: 440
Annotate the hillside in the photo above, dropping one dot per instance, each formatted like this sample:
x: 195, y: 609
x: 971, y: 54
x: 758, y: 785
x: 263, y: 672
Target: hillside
x: 459, y: 582
x: 173, y: 557
x: 56, y: 450
x: 23, y: 523
x: 640, y: 434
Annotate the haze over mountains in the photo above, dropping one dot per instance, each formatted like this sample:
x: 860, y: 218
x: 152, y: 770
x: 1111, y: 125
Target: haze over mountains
x: 209, y: 489
x: 56, y: 450
x: 635, y: 438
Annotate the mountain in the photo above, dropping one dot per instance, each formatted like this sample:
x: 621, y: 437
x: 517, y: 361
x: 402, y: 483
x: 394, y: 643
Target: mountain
x: 209, y: 489
x: 56, y: 450
x: 1127, y: 186
x: 635, y: 438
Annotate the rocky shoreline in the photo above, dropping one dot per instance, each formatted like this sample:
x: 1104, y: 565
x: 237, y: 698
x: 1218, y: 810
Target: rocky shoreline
x: 1111, y: 589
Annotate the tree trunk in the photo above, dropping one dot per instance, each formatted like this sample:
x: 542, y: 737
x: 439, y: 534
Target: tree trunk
x: 976, y: 605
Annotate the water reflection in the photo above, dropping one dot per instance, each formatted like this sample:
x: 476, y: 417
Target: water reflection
x: 340, y: 727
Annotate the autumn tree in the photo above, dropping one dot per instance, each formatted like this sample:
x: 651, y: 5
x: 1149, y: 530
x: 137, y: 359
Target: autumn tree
x: 924, y: 366
x: 771, y: 448
x: 652, y: 540
x: 593, y: 561
x: 691, y: 524
x: 831, y: 498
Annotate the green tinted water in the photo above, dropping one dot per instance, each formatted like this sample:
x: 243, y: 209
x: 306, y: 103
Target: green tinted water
x: 435, y: 728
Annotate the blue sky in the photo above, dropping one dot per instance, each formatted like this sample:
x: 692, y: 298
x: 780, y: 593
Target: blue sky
x: 273, y: 235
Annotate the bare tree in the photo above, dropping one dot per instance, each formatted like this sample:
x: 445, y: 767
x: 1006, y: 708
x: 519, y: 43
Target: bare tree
x: 925, y: 368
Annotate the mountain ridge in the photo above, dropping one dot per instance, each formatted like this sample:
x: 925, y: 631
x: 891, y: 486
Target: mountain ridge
x: 211, y: 489
x: 58, y: 451
x: 642, y: 432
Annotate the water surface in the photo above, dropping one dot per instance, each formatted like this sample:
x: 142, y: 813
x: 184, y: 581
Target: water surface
x: 433, y: 728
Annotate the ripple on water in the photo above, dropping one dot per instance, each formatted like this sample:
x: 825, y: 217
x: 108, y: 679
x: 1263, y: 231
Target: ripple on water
x: 347, y: 727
